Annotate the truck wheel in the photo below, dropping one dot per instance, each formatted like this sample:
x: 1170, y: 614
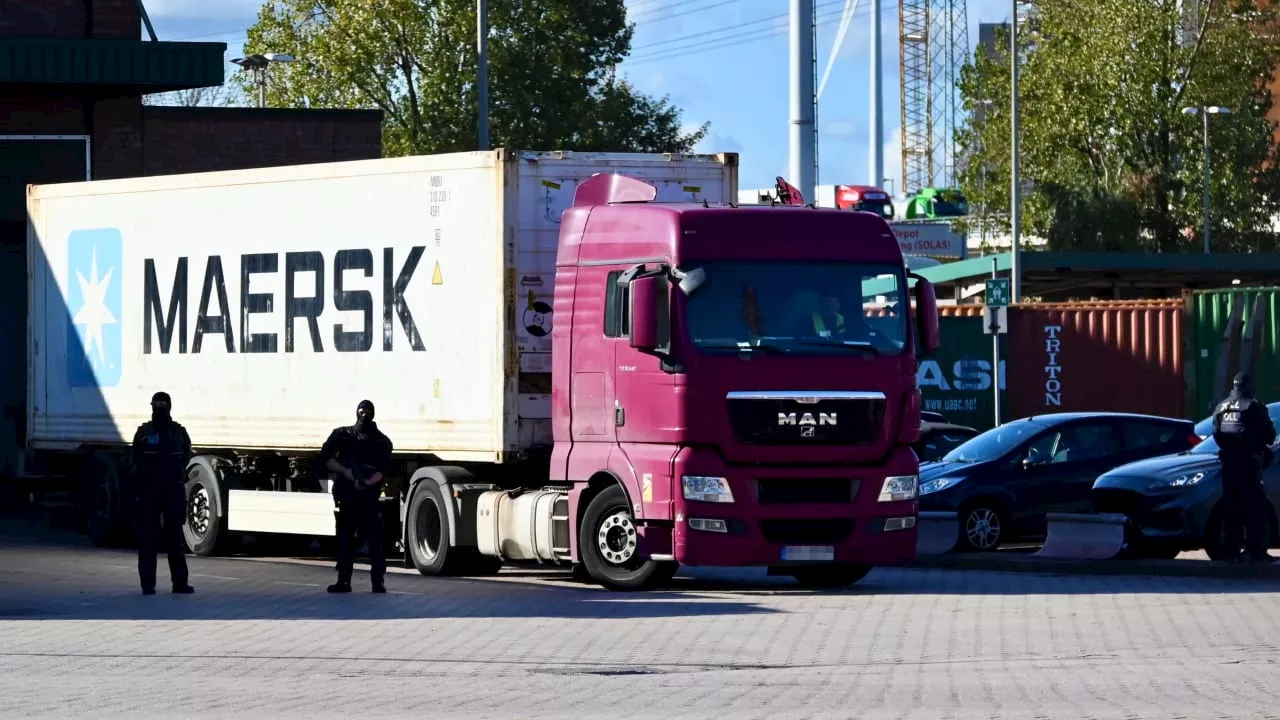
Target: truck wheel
x: 204, y: 530
x: 829, y: 576
x: 106, y: 509
x: 608, y: 544
x: 427, y: 537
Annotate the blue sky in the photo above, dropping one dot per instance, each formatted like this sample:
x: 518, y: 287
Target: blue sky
x: 722, y: 61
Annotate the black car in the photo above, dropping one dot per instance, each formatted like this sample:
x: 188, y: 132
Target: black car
x: 1002, y: 482
x: 939, y: 438
x: 1172, y: 501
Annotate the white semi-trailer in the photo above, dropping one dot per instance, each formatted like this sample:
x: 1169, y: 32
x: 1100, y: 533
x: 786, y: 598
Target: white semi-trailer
x: 269, y: 302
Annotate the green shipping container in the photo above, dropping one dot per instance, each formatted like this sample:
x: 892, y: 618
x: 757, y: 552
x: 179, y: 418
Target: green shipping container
x: 1208, y: 313
x: 956, y: 380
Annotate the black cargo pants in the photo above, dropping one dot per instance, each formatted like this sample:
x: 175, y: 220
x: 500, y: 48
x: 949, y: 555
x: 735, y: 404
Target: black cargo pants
x: 1244, y: 508
x: 162, y: 510
x: 360, y: 513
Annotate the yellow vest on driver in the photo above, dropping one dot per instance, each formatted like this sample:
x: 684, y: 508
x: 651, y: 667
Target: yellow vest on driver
x: 820, y: 327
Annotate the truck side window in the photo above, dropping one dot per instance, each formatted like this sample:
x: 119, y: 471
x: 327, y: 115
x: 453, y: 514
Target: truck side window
x: 617, y: 319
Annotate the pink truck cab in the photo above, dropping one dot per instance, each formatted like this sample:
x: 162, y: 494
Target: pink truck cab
x: 721, y: 398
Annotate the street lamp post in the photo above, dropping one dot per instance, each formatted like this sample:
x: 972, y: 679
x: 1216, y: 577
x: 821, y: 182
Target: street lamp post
x: 258, y: 64
x: 482, y: 74
x: 1204, y: 113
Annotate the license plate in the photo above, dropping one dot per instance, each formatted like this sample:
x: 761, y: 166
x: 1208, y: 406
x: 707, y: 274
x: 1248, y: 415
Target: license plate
x: 809, y: 553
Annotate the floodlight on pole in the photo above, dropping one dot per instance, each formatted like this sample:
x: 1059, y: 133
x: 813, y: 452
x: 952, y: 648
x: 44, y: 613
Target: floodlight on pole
x: 257, y: 64
x: 1205, y: 113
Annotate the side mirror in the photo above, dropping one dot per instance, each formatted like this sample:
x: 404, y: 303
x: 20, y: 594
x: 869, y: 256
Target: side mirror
x: 650, y: 315
x: 927, y: 316
x: 1031, y: 460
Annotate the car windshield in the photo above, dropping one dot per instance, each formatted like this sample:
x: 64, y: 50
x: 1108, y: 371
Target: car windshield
x: 810, y: 308
x: 1210, y: 446
x: 994, y: 443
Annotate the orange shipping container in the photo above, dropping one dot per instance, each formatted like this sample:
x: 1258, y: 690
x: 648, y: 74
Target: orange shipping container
x: 1123, y: 356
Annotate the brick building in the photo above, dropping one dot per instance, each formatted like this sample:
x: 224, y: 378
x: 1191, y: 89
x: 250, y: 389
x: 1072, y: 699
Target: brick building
x: 72, y: 77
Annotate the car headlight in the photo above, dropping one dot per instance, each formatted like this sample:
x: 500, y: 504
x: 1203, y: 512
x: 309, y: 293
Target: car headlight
x: 897, y: 488
x: 936, y: 484
x: 1180, y: 481
x: 705, y: 488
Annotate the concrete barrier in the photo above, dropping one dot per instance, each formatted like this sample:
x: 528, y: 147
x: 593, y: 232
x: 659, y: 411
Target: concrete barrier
x: 1082, y: 536
x: 937, y: 533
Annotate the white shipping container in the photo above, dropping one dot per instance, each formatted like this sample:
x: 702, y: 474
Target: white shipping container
x: 459, y: 247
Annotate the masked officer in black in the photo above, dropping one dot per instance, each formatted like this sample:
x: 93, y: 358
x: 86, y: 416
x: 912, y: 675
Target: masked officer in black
x: 161, y: 449
x: 1243, y: 430
x: 360, y: 455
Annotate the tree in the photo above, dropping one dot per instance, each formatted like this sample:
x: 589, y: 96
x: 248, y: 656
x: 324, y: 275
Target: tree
x: 1113, y: 160
x: 552, y: 69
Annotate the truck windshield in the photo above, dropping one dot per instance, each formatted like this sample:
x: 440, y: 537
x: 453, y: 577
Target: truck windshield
x: 883, y: 208
x: 804, y: 308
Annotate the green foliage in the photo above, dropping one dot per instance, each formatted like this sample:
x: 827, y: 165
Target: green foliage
x: 552, y: 73
x: 1111, y: 159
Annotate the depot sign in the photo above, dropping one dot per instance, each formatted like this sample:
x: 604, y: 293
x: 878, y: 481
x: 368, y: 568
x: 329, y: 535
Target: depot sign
x: 929, y: 239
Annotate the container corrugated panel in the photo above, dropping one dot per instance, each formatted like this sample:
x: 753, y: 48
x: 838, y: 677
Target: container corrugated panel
x: 1122, y: 356
x: 1208, y: 312
x: 956, y: 380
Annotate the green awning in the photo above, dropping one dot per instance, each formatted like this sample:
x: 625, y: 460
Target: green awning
x: 147, y: 67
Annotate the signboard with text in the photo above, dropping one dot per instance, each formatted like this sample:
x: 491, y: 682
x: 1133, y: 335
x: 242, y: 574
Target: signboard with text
x: 930, y: 239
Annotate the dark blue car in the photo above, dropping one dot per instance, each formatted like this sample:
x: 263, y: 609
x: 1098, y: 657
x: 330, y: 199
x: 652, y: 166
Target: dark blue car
x: 1172, y: 501
x: 1002, y: 482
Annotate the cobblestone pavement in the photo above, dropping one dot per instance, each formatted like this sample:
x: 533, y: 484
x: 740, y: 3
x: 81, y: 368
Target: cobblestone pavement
x: 263, y: 639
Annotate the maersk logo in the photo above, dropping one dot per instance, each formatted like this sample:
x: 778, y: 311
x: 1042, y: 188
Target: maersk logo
x: 95, y: 261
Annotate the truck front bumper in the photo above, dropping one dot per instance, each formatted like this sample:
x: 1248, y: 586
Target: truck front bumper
x: 796, y: 516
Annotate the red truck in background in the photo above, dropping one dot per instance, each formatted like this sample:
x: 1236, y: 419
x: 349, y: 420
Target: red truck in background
x: 855, y: 197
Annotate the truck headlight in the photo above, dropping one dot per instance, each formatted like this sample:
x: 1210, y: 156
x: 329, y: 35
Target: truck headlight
x: 897, y: 488
x: 705, y: 488
x: 936, y: 484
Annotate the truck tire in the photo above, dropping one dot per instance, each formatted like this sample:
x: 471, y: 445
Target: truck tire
x: 205, y: 530
x: 427, y: 538
x: 608, y: 544
x: 107, y: 511
x: 829, y: 576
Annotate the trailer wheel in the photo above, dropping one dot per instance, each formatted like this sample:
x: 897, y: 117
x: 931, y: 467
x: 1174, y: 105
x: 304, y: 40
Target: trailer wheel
x: 107, y: 510
x: 427, y: 538
x: 204, y: 530
x: 609, y: 545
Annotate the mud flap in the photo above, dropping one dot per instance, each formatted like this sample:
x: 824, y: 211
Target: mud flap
x: 1084, y: 536
x: 937, y: 533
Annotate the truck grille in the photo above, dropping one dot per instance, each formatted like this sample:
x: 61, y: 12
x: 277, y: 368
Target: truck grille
x: 796, y: 491
x: 806, y: 532
x: 812, y: 419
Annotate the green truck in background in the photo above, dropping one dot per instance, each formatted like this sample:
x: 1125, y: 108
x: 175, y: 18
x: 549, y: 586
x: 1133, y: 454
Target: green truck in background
x: 933, y: 203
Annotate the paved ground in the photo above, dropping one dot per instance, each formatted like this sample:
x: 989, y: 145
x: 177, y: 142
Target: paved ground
x: 262, y: 639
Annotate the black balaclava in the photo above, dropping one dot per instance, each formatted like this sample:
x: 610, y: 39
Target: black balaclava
x: 160, y: 408
x: 1242, y: 385
x: 364, y: 415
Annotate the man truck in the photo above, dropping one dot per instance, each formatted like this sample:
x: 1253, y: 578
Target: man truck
x: 584, y: 360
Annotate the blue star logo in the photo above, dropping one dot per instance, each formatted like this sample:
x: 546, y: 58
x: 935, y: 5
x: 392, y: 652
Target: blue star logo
x: 95, y: 261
